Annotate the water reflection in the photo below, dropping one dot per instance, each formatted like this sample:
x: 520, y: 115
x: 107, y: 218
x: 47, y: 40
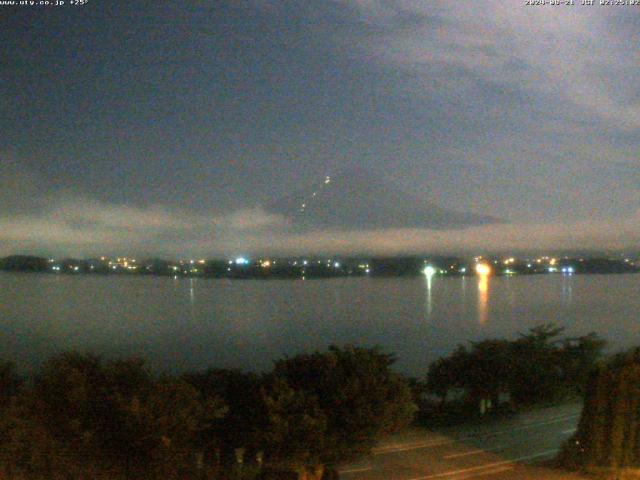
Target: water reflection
x: 464, y: 289
x: 429, y: 273
x: 483, y: 298
x: 177, y: 328
x: 567, y: 289
x: 192, y: 294
x: 429, y: 299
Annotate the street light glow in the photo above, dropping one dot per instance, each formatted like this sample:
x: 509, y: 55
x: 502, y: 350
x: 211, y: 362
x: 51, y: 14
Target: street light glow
x: 483, y: 269
x: 429, y: 271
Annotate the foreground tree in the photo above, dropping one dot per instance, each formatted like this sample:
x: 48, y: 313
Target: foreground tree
x: 538, y: 366
x: 84, y: 418
x: 608, y: 435
x: 537, y: 373
x: 10, y: 382
x: 548, y: 367
x: 578, y: 358
x: 295, y: 430
x: 483, y: 371
x: 361, y: 397
x: 446, y: 374
x: 245, y: 416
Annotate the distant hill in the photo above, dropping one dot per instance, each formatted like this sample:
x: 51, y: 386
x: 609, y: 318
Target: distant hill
x: 24, y: 263
x: 360, y: 199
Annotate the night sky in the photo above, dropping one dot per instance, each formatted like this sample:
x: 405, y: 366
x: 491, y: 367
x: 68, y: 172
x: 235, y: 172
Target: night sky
x: 167, y: 127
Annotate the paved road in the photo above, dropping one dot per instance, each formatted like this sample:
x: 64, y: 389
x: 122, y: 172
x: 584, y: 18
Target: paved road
x: 499, y: 450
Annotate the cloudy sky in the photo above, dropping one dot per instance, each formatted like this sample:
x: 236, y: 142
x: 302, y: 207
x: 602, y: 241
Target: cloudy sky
x: 166, y: 127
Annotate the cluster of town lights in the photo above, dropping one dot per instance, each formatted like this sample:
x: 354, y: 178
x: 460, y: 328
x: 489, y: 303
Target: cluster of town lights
x: 479, y: 266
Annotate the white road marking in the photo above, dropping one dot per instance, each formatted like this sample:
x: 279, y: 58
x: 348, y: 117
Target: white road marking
x: 560, y: 417
x: 410, y: 446
x: 473, y: 452
x: 486, y: 465
x: 516, y: 429
x: 546, y: 453
x: 399, y: 447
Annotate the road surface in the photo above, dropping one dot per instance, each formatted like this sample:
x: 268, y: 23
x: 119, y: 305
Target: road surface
x: 493, y: 450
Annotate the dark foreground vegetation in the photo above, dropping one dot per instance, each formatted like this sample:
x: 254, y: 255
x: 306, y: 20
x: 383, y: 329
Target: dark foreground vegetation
x: 84, y: 417
x: 81, y: 417
x: 539, y: 367
x: 607, y: 442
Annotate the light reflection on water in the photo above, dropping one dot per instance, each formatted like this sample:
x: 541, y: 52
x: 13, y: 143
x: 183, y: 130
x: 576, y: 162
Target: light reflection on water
x: 194, y: 323
x: 192, y: 293
x: 483, y: 298
x: 429, y: 280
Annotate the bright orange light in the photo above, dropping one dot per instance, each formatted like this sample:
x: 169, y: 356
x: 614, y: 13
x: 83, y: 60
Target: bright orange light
x: 483, y: 296
x: 483, y: 269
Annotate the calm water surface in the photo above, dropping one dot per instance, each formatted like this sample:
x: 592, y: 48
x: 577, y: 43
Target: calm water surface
x: 194, y: 323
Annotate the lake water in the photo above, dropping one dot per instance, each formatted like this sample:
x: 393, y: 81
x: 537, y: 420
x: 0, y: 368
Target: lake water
x: 186, y: 324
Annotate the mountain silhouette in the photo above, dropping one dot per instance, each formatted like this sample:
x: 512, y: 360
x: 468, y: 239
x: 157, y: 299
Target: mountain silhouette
x: 360, y: 199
